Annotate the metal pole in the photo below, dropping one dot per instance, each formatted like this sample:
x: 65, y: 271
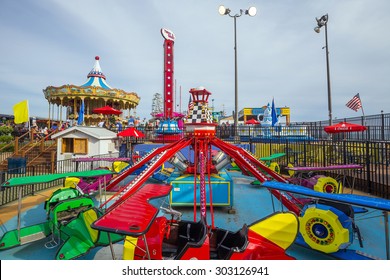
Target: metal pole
x: 386, y: 217
x: 327, y: 72
x: 235, y: 77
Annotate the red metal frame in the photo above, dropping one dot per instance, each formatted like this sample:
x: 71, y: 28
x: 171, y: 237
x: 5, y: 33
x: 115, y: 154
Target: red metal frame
x: 123, y: 217
x: 168, y: 78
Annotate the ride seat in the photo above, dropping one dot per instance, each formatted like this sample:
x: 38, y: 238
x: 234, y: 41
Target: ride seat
x: 230, y: 242
x: 190, y: 234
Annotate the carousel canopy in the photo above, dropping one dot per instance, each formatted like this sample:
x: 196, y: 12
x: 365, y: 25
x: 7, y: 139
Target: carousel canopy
x: 96, y: 77
x: 93, y: 94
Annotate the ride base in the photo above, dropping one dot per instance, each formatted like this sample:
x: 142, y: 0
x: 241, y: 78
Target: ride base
x: 183, y: 189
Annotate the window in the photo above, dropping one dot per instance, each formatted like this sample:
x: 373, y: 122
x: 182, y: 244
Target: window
x: 75, y: 145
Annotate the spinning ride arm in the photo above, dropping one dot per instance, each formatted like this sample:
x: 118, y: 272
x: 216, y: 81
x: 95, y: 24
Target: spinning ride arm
x: 138, y: 165
x: 165, y: 153
x: 246, y: 161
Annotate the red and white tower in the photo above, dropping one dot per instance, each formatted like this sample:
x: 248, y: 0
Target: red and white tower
x: 168, y: 72
x: 199, y: 117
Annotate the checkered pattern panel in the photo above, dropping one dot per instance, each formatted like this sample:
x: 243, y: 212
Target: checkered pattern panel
x: 199, y: 114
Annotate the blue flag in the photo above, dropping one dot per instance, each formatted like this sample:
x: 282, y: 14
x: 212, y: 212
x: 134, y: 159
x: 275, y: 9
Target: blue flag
x: 273, y: 113
x: 80, y: 119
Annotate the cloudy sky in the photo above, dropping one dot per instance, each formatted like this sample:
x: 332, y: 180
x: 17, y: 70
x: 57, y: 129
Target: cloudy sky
x: 54, y: 42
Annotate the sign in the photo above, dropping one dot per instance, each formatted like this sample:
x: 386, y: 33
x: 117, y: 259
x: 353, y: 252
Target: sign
x: 167, y: 34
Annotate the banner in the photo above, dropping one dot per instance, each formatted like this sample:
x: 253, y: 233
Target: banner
x: 80, y: 119
x: 273, y: 113
x: 21, y: 112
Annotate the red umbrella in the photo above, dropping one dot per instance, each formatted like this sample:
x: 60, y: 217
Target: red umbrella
x: 107, y: 110
x: 252, y: 121
x: 344, y: 127
x: 131, y: 132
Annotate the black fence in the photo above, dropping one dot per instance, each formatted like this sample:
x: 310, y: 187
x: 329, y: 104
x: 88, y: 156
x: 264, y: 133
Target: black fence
x: 378, y: 129
x: 372, y: 156
x: 378, y: 126
x: 10, y: 194
x: 305, y: 144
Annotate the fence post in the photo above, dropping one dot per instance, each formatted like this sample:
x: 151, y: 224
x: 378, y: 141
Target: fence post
x: 2, y: 177
x: 33, y: 185
x: 52, y: 161
x: 324, y: 159
x: 382, y: 126
x: 368, y: 166
x: 287, y: 150
x: 344, y: 152
x: 16, y: 145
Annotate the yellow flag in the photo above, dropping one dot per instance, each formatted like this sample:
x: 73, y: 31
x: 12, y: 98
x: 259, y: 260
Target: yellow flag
x: 21, y: 112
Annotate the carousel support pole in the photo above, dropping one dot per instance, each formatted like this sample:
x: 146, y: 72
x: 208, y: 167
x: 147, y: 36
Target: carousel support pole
x: 61, y: 107
x: 58, y: 111
x: 74, y: 109
x: 52, y: 111
x: 48, y: 122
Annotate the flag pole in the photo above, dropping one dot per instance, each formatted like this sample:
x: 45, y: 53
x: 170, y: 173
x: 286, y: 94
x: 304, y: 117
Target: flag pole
x: 28, y: 116
x: 364, y: 118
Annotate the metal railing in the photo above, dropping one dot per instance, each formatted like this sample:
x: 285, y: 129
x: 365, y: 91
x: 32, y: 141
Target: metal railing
x: 304, y: 144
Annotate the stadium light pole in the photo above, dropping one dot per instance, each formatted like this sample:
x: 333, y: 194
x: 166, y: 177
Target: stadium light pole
x: 226, y: 11
x: 323, y: 21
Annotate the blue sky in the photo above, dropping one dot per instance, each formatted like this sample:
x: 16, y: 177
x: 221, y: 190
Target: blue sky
x: 52, y: 43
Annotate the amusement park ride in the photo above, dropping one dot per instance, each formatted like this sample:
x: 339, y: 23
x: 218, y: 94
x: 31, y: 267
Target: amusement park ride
x: 152, y: 237
x: 324, y: 222
x: 169, y: 118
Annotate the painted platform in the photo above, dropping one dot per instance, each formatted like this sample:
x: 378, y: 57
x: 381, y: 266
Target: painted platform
x: 250, y: 202
x: 183, y: 189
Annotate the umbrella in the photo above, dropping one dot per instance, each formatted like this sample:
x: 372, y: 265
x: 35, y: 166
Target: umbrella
x: 252, y: 121
x: 131, y: 132
x: 344, y: 127
x: 107, y: 110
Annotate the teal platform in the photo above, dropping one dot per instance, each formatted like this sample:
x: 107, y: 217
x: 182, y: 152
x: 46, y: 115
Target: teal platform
x: 183, y: 189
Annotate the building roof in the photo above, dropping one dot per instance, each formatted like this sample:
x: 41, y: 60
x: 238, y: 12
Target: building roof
x: 99, y: 133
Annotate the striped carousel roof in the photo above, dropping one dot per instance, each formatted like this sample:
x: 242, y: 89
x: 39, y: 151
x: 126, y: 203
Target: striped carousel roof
x: 96, y: 77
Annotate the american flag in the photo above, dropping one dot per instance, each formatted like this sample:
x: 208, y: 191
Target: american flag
x: 355, y: 103
x: 190, y: 104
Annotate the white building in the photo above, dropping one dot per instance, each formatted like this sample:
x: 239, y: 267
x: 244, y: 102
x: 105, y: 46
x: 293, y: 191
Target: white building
x: 84, y: 141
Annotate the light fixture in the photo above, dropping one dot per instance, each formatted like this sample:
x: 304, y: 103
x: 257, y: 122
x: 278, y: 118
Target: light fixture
x: 252, y: 11
x: 226, y: 11
x: 323, y: 22
x: 223, y: 11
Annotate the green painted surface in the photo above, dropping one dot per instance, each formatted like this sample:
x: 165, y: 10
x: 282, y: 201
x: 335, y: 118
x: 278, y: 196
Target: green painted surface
x: 29, y: 180
x: 273, y: 157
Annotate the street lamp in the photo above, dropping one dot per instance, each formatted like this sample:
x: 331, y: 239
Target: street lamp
x: 323, y: 21
x: 226, y: 11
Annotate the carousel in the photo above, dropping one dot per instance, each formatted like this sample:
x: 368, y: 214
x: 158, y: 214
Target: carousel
x: 67, y: 101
